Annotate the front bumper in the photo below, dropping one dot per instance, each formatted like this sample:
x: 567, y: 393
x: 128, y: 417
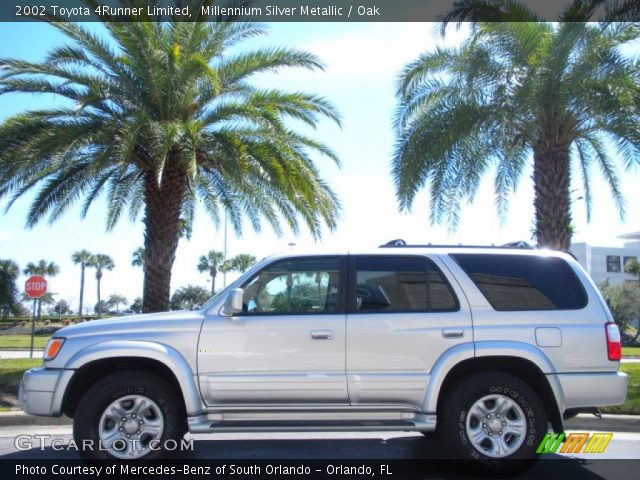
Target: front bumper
x: 593, y: 389
x: 42, y: 390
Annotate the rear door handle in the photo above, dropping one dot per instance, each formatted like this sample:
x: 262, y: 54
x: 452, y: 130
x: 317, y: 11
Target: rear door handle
x: 322, y: 334
x: 452, y: 333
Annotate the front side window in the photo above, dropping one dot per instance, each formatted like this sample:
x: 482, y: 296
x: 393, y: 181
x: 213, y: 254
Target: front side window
x: 300, y: 285
x: 401, y: 284
x: 523, y: 282
x: 613, y: 263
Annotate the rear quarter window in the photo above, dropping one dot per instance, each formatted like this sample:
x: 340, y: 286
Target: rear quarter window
x: 522, y: 282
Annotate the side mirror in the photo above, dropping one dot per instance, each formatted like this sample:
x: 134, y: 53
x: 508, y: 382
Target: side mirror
x: 232, y: 303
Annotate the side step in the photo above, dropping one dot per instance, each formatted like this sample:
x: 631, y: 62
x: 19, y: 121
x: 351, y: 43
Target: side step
x: 303, y: 426
x: 204, y: 424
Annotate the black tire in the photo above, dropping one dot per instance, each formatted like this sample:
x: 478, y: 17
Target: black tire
x: 454, y: 411
x: 121, y: 384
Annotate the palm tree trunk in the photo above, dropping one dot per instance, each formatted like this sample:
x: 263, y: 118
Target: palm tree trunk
x: 162, y: 222
x: 213, y: 284
x: 82, y: 267
x: 98, y: 304
x: 551, y: 179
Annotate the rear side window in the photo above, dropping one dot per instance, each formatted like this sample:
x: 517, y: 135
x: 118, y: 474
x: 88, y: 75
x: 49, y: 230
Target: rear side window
x: 519, y: 282
x: 401, y: 284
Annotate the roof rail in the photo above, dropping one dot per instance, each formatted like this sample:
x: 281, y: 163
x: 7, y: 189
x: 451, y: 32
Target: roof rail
x: 400, y: 243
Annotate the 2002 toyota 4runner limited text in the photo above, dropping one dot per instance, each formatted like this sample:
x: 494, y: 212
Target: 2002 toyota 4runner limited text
x: 488, y: 346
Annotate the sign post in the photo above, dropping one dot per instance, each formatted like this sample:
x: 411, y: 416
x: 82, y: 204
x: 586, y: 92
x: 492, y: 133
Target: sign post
x: 35, y: 287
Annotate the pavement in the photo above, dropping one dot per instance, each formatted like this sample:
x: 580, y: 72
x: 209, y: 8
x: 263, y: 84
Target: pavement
x: 620, y: 461
x: 37, y: 353
x: 32, y: 443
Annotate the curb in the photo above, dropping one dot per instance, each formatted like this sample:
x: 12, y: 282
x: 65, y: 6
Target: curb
x: 20, y: 349
x: 20, y: 419
x: 615, y: 423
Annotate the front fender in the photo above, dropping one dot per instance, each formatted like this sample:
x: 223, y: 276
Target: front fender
x: 148, y: 350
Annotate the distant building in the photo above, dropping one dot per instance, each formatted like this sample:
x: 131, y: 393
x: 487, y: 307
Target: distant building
x: 608, y: 263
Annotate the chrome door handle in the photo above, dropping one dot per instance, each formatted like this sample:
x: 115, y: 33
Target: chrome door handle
x: 452, y: 333
x: 322, y: 334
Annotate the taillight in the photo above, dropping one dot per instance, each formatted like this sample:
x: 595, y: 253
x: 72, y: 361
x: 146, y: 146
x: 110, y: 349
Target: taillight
x: 614, y: 346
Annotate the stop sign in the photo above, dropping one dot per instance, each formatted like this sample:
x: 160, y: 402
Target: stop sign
x: 35, y: 286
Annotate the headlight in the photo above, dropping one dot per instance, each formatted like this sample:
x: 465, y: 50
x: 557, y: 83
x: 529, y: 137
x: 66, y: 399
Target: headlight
x: 53, y: 347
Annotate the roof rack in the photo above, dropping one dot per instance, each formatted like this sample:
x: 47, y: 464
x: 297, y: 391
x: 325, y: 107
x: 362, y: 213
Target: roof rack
x: 400, y: 243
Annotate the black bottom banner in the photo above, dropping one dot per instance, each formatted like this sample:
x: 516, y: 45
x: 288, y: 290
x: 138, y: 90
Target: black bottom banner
x: 392, y: 469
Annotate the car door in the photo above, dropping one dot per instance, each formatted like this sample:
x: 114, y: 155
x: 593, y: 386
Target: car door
x: 402, y: 315
x: 287, y: 345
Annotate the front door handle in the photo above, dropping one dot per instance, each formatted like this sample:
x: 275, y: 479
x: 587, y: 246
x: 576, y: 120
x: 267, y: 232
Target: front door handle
x: 322, y: 334
x: 452, y: 333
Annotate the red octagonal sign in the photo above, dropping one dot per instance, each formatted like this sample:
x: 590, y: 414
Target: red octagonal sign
x: 35, y: 286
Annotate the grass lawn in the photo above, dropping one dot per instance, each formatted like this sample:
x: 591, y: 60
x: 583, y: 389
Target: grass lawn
x: 632, y: 405
x: 11, y: 371
x: 635, y: 351
x: 23, y: 341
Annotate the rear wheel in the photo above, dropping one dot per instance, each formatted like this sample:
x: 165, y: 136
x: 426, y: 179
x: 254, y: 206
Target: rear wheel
x: 128, y: 415
x: 494, y: 418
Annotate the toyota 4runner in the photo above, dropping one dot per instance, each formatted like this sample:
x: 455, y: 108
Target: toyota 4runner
x: 488, y: 346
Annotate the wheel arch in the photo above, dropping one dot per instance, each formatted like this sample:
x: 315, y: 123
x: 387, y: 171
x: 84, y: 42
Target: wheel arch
x: 519, y: 359
x: 96, y: 361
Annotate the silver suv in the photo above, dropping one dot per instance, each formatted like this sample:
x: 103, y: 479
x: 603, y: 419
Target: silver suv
x: 488, y: 346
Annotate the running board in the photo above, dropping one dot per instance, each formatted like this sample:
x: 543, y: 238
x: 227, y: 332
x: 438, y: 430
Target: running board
x: 206, y: 424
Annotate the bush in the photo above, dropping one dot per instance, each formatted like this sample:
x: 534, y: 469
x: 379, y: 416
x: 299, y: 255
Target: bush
x: 623, y: 301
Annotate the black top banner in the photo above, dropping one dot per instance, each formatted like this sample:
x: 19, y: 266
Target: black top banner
x: 317, y: 10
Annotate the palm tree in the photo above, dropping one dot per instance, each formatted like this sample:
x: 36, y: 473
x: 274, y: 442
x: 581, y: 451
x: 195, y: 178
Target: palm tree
x: 162, y: 115
x: 137, y: 257
x: 9, y: 292
x: 82, y: 258
x: 46, y: 269
x: 516, y: 93
x: 101, y: 262
x: 515, y: 11
x: 211, y: 263
x: 240, y: 263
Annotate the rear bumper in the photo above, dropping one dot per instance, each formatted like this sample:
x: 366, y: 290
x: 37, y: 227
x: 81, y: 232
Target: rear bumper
x: 593, y: 389
x: 42, y: 390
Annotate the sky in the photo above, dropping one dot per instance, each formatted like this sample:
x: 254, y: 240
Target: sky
x: 361, y: 66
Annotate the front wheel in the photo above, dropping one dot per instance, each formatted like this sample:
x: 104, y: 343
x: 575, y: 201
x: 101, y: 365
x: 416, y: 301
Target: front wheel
x: 128, y: 415
x: 493, y: 417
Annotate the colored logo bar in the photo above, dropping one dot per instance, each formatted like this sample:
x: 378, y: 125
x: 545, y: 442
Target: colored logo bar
x: 575, y: 442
